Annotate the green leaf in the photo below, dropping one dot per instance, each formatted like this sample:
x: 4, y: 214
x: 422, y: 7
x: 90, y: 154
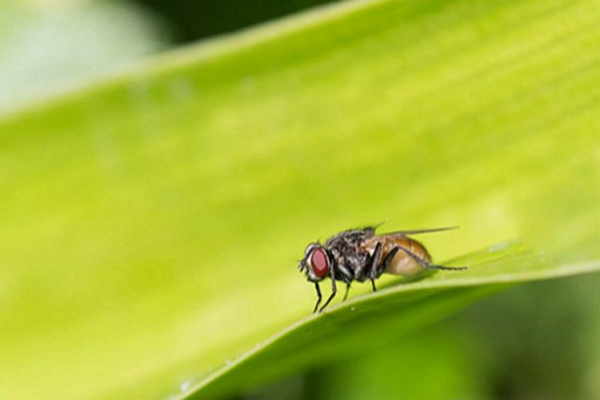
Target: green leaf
x: 151, y: 225
x: 367, y: 323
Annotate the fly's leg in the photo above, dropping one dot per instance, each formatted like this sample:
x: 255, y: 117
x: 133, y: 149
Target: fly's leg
x: 347, y: 290
x: 319, y: 297
x: 425, y: 264
x: 372, y: 267
x: 333, y: 292
x: 386, y: 261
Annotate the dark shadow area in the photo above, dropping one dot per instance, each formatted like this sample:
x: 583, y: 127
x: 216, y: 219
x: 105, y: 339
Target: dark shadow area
x: 191, y: 20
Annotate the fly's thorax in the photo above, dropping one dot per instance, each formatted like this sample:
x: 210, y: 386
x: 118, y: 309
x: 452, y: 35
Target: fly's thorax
x: 347, y: 251
x: 349, y: 260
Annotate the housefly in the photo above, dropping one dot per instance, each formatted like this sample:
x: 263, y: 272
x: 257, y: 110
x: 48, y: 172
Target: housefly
x: 361, y: 255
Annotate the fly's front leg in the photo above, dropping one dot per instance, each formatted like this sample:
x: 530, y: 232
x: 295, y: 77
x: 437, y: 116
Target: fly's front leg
x: 319, y: 297
x: 333, y: 292
x: 333, y: 289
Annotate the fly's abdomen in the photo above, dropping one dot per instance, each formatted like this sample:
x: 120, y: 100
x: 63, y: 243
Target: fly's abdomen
x: 403, y: 262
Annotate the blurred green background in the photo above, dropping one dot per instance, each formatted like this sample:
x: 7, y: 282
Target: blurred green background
x: 156, y: 193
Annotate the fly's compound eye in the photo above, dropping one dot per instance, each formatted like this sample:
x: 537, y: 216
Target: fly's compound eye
x: 318, y: 262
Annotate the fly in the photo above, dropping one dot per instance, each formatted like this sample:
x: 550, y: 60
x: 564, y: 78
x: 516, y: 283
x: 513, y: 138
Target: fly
x: 361, y: 255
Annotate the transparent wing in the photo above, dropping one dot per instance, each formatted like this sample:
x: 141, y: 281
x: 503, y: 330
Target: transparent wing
x: 396, y: 234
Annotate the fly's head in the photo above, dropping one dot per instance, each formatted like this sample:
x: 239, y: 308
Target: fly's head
x: 316, y: 262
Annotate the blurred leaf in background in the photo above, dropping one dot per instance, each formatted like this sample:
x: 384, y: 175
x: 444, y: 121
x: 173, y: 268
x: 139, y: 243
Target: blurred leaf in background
x: 49, y: 47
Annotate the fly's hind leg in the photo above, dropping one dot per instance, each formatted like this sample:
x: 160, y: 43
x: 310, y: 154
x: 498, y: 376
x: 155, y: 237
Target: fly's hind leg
x: 386, y: 261
x: 424, y: 263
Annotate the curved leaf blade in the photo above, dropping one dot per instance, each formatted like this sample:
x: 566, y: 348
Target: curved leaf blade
x: 150, y: 225
x: 367, y: 323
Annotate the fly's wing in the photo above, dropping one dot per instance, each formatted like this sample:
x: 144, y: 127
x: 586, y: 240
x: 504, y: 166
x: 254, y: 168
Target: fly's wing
x: 394, y: 235
x: 389, y: 240
x: 369, y: 231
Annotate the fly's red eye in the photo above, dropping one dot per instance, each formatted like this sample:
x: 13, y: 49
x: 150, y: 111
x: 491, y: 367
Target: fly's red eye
x: 319, y: 262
